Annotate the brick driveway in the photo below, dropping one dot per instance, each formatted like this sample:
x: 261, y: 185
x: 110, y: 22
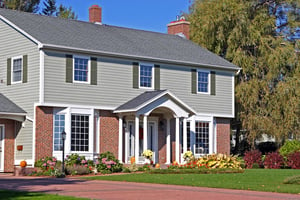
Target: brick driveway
x: 109, y: 190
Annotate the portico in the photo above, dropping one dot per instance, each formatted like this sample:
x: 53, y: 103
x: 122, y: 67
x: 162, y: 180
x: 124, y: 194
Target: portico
x: 150, y: 115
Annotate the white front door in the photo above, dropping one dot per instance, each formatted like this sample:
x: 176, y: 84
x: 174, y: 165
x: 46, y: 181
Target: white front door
x: 1, y: 148
x: 131, y: 140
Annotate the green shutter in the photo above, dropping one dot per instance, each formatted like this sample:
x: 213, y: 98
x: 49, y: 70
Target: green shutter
x: 135, y: 75
x: 93, y: 71
x: 69, y: 68
x: 25, y: 68
x: 194, y: 81
x: 156, y: 77
x: 213, y: 83
x: 8, y: 77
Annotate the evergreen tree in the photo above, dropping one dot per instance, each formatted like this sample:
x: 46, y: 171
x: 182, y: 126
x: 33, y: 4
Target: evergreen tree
x: 66, y: 13
x: 22, y: 5
x: 249, y: 34
x: 49, y: 8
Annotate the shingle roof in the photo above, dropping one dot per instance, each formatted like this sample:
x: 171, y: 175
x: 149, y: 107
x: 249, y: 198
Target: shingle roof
x: 112, y: 40
x: 7, y: 106
x: 140, y: 99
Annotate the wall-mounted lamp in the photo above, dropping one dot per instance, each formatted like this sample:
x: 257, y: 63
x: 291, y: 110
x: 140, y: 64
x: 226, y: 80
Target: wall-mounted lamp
x: 161, y: 125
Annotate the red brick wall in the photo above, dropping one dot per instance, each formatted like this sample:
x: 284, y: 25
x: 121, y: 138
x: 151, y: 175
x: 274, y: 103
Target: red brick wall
x: 95, y: 14
x: 223, y: 135
x: 179, y: 27
x: 44, y: 132
x: 9, y: 144
x: 109, y: 132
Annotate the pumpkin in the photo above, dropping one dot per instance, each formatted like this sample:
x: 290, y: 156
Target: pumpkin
x: 132, y: 160
x: 23, y: 163
x: 157, y: 166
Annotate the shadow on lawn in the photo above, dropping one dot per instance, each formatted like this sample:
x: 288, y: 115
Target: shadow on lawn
x: 32, y: 184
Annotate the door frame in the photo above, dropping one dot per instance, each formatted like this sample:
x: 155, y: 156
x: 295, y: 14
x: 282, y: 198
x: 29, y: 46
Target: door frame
x: 2, y: 151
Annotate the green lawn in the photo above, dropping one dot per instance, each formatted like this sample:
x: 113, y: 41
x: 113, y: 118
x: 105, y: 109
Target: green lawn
x: 270, y: 180
x: 9, y: 195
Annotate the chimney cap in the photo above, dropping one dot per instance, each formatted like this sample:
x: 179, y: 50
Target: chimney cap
x: 94, y: 6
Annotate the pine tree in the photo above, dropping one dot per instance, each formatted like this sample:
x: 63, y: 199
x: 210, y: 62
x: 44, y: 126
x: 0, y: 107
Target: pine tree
x: 49, y: 8
x: 249, y: 34
x: 22, y: 5
x: 66, y: 13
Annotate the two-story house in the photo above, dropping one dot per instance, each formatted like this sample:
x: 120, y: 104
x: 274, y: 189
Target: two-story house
x: 110, y: 89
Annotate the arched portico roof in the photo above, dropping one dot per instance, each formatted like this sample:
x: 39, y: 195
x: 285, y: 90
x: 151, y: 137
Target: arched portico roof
x: 148, y: 101
x: 10, y: 110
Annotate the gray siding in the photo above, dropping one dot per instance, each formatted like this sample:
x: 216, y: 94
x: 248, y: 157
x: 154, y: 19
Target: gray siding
x: 114, y: 85
x: 23, y: 94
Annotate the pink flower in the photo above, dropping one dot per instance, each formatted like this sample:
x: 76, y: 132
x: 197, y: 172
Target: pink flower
x: 97, y: 162
x: 44, y: 164
x: 104, y: 160
x: 108, y: 166
x: 85, y: 165
x: 54, y: 159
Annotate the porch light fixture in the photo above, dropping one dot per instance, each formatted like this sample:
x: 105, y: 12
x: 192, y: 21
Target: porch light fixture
x: 63, y: 137
x: 124, y: 124
x: 161, y: 125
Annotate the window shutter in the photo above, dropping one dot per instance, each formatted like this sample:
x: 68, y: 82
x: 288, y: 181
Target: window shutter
x: 213, y: 83
x: 8, y: 77
x: 194, y: 81
x: 25, y: 68
x: 135, y: 75
x: 69, y: 68
x: 93, y: 71
x: 156, y: 77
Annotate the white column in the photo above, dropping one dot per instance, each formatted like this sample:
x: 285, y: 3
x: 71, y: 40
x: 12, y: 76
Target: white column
x: 137, y: 146
x: 126, y: 145
x: 120, y: 139
x: 177, y: 152
x: 145, y: 136
x: 168, y: 141
x: 184, y: 136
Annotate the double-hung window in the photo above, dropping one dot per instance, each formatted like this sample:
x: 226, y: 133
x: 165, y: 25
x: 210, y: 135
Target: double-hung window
x: 81, y: 69
x: 59, y: 127
x: 203, y: 80
x: 17, y: 69
x: 146, y: 75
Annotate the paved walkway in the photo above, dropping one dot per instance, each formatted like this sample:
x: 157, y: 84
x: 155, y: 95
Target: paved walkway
x: 110, y: 190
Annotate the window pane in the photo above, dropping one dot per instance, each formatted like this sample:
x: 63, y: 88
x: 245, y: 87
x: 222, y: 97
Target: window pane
x: 17, y: 70
x: 81, y: 69
x: 202, y: 137
x: 80, y: 132
x: 59, y: 127
x: 203, y: 81
x: 145, y: 76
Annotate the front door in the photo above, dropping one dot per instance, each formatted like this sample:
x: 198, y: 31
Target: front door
x: 1, y: 148
x: 152, y: 140
x: 131, y: 140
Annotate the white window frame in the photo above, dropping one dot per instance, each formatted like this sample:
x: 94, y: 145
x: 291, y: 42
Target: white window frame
x: 89, y: 69
x: 208, y: 85
x: 152, y: 80
x: 12, y: 69
x: 58, y: 112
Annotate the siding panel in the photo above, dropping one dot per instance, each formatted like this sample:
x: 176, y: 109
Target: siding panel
x: 23, y: 94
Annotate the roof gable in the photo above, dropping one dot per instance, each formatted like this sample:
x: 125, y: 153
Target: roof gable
x: 112, y: 40
x: 9, y: 107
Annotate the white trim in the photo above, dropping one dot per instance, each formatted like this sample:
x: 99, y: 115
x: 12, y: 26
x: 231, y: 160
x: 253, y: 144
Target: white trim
x: 12, y: 69
x: 49, y: 104
x: 150, y: 59
x: 177, y: 140
x: 89, y: 69
x: 120, y: 148
x: 21, y: 31
x: 214, y: 115
x: 168, y: 141
x: 152, y: 78
x: 3, y: 149
x: 209, y: 81
x: 154, y: 99
x: 33, y: 132
x: 233, y: 98
x: 15, y: 114
x: 42, y: 76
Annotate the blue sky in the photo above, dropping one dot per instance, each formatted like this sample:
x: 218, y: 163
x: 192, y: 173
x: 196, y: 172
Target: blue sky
x: 151, y: 15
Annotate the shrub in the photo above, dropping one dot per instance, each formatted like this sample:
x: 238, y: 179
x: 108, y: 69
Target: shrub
x: 252, y: 157
x: 107, y: 162
x: 273, y: 161
x: 77, y: 170
x: 292, y: 180
x: 289, y: 147
x: 48, y: 166
x: 293, y: 160
x: 267, y: 147
x: 219, y: 161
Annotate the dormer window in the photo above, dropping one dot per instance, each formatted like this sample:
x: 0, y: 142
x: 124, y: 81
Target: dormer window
x: 146, y: 75
x: 81, y: 69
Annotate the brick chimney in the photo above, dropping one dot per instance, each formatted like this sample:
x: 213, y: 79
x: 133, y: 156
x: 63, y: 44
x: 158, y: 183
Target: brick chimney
x: 179, y: 27
x: 95, y: 14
